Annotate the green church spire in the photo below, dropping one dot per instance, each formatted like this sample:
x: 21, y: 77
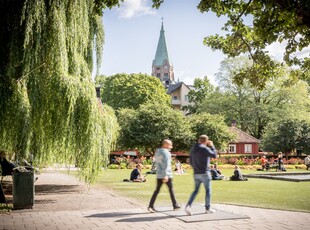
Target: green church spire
x: 161, y: 51
x: 161, y: 67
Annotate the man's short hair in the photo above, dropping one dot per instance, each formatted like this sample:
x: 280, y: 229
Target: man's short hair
x: 139, y: 164
x: 203, y: 138
x: 166, y: 141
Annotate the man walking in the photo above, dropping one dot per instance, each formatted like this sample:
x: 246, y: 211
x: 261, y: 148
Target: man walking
x: 164, y: 173
x: 200, y: 156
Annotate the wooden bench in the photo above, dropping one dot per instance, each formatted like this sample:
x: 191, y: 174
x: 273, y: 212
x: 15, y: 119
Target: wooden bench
x: 272, y: 166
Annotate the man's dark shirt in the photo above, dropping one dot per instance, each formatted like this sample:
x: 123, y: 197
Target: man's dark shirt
x: 200, y: 158
x: 134, y: 174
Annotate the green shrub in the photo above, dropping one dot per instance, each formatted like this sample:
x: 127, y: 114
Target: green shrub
x: 131, y: 165
x: 147, y: 166
x: 6, y: 208
x: 301, y: 166
x: 290, y: 166
x: 113, y: 166
x: 147, y: 162
x: 186, y: 166
x: 123, y: 166
x: 227, y: 166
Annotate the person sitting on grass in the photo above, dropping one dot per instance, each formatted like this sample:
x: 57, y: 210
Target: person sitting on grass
x: 217, y: 169
x: 237, y: 175
x: 215, y: 175
x: 178, y: 167
x: 136, y: 175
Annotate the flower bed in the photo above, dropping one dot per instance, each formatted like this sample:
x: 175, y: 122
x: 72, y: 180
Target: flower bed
x: 227, y: 161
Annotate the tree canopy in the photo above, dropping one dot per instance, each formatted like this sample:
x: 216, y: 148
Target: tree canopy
x: 48, y: 105
x: 287, y: 135
x: 147, y: 126
x: 214, y: 126
x: 252, y: 108
x: 202, y: 89
x: 132, y: 90
x: 270, y: 21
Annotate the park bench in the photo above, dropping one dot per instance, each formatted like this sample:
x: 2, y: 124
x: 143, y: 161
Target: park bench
x: 272, y: 166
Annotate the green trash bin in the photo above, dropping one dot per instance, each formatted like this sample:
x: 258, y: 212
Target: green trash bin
x: 23, y: 189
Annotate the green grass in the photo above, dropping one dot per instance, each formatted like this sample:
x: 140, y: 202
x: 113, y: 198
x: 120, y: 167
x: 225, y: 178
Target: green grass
x: 263, y: 193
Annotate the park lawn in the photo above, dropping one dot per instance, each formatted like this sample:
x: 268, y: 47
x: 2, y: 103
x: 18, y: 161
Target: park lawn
x: 264, y: 193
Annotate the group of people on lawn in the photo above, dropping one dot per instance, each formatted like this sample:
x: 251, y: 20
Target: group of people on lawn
x: 216, y: 174
x: 279, y: 163
x: 200, y: 157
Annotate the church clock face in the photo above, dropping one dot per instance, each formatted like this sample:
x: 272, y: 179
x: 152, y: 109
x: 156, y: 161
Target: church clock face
x: 165, y: 67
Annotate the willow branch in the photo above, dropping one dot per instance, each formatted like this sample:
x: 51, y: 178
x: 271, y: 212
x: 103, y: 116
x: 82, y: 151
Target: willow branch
x: 31, y: 71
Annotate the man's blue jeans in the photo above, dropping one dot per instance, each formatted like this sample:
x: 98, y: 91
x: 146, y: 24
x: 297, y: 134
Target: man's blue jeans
x: 206, y: 180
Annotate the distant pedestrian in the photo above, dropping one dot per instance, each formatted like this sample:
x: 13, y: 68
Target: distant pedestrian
x: 164, y: 174
x: 307, y: 161
x: 200, y: 156
x: 280, y: 162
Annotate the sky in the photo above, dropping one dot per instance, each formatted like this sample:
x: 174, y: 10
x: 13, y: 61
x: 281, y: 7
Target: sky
x: 132, y: 33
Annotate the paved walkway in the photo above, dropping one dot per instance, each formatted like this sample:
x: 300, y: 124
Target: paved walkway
x: 74, y: 206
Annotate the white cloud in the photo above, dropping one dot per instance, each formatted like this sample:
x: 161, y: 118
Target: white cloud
x: 189, y: 78
x: 135, y: 8
x: 277, y: 50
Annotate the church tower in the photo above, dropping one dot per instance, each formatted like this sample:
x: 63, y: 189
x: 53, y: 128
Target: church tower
x: 161, y: 67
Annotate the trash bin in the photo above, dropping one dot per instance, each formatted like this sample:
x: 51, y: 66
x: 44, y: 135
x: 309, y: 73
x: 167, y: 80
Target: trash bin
x: 23, y: 189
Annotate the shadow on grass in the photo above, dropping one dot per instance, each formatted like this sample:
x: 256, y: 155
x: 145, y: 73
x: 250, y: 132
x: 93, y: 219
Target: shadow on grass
x: 55, y: 189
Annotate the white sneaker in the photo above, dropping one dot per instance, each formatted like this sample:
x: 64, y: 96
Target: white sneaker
x: 188, y: 210
x: 151, y: 209
x: 210, y: 211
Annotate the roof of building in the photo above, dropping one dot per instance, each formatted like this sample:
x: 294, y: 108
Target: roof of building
x: 243, y: 137
x: 174, y: 87
x: 161, y: 51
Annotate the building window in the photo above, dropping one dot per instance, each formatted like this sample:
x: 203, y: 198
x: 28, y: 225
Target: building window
x: 158, y: 75
x: 175, y: 97
x: 232, y: 148
x: 247, y: 148
x: 166, y: 77
x: 186, y: 97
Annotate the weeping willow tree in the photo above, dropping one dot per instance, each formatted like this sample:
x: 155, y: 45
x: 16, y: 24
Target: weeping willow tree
x: 48, y: 106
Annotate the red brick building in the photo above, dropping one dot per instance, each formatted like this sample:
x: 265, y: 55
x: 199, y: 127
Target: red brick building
x: 244, y: 143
